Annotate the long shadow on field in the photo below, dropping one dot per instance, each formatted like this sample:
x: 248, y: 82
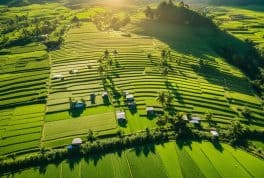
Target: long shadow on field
x: 146, y: 149
x: 174, y: 91
x: 184, y: 142
x: 215, y: 76
x: 201, y: 42
x: 76, y: 112
x: 218, y: 145
x: 94, y: 158
x: 73, y: 161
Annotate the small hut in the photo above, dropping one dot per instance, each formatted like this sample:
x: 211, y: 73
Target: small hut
x: 120, y: 115
x: 129, y: 98
x: 104, y: 94
x: 79, y: 104
x: 150, y: 110
x: 195, y: 120
x: 58, y: 77
x: 74, y: 71
x: 76, y: 141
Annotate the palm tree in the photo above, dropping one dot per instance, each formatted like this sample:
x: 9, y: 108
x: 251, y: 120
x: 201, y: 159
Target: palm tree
x: 169, y: 99
x: 161, y: 98
x: 165, y: 71
x: 100, y: 70
x: 208, y: 117
x: 106, y: 54
x: 100, y: 60
x: 163, y: 54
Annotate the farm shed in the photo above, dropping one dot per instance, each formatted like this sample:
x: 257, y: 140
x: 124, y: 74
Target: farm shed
x: 150, y: 110
x: 79, y: 104
x: 104, y: 94
x: 129, y: 97
x: 58, y: 76
x: 120, y: 115
x: 76, y: 141
x: 195, y: 120
x: 214, y: 133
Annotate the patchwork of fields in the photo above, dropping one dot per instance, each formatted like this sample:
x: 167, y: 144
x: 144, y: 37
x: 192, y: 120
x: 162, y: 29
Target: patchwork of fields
x: 21, y: 128
x: 24, y: 73
x: 220, y: 89
x: 28, y: 75
x: 244, y: 23
x: 167, y: 161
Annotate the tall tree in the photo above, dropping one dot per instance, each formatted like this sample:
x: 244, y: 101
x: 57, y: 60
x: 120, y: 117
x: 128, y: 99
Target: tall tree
x: 161, y: 98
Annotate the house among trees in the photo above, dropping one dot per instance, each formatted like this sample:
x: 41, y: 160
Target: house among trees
x: 150, y: 111
x: 120, y: 115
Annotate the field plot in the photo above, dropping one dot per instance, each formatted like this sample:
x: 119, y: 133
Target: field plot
x: 21, y: 128
x: 244, y: 23
x: 24, y: 73
x: 169, y: 160
x: 79, y: 127
x: 25, y: 66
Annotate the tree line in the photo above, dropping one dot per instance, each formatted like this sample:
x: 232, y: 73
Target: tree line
x: 178, y: 14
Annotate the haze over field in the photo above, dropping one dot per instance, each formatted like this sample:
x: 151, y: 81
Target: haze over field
x: 131, y: 88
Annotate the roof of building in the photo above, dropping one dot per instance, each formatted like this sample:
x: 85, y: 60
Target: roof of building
x: 194, y: 121
x: 105, y: 93
x: 120, y: 115
x: 58, y: 76
x: 214, y: 133
x: 76, y: 141
x: 79, y: 104
x: 195, y: 118
x: 149, y: 109
x: 129, y: 96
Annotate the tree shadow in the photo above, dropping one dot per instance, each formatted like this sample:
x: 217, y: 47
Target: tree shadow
x: 216, y: 76
x: 146, y: 150
x: 201, y: 42
x: 184, y: 142
x: 93, y: 158
x: 174, y: 91
x: 42, y: 169
x: 122, y: 123
x: 73, y: 161
x: 76, y: 112
x: 218, y: 145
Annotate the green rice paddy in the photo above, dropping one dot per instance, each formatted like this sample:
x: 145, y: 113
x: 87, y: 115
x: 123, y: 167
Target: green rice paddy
x: 170, y: 160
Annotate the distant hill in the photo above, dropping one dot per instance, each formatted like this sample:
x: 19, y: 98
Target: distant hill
x: 23, y: 2
x: 235, y: 2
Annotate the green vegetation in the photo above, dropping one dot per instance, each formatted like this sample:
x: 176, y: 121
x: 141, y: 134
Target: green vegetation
x: 173, y: 73
x: 168, y: 160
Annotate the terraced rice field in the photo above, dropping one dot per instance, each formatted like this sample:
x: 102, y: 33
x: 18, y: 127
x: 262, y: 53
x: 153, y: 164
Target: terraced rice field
x: 24, y: 73
x: 220, y: 89
x: 243, y: 22
x: 21, y: 128
x: 168, y: 161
